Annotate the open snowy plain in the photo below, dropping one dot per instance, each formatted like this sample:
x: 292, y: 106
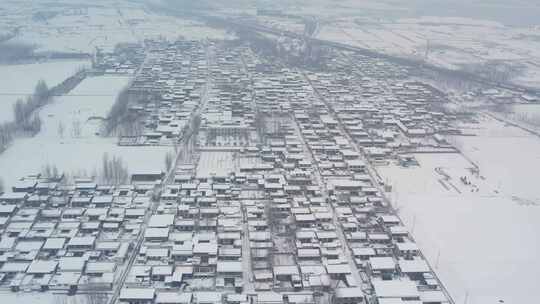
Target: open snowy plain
x: 482, y: 237
x: 78, y: 149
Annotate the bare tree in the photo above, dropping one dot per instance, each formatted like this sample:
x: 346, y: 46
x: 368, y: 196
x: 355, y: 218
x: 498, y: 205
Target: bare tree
x: 41, y: 92
x: 168, y: 160
x: 10, y: 51
x: 18, y: 111
x: 61, y: 130
x: 60, y: 299
x: 50, y: 171
x: 118, y: 111
x: 113, y: 170
x: 76, y: 129
x: 196, y: 123
x: 47, y: 171
x: 105, y: 171
x: 95, y: 296
x: 6, y: 134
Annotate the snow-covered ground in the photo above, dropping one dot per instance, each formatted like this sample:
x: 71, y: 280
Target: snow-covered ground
x: 482, y: 237
x: 454, y: 43
x: 19, y: 80
x: 42, y: 298
x: 82, y: 29
x: 73, y: 153
x: 217, y: 163
x: 532, y: 110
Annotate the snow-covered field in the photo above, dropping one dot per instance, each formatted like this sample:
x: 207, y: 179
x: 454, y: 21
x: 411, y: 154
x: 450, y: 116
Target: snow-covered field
x: 443, y: 41
x: 217, y: 163
x: 68, y: 137
x: 19, y: 80
x: 42, y: 298
x: 454, y: 43
x: 482, y: 237
x: 82, y: 29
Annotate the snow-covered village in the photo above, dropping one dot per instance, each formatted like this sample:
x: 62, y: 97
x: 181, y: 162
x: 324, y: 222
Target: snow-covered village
x: 269, y: 152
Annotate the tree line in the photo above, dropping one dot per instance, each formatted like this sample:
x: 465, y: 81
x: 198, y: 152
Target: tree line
x: 113, y: 171
x: 120, y: 120
x: 16, y: 51
x: 26, y: 120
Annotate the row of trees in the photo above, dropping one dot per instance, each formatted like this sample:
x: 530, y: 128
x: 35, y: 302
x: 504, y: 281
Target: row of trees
x: 114, y: 171
x: 15, y: 51
x: 24, y: 110
x: 51, y: 171
x: 6, y: 135
x: 169, y: 160
x: 26, y: 120
x: 117, y: 112
x: 120, y: 121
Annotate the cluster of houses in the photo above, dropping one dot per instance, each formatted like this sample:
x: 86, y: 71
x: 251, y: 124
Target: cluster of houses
x: 385, y: 113
x: 229, y: 119
x: 126, y: 59
x: 298, y: 217
x: 67, y: 237
x: 166, y: 90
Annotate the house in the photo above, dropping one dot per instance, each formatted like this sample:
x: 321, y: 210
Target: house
x: 230, y: 272
x: 207, y: 297
x: 98, y: 269
x: 174, y: 298
x: 149, y: 177
x: 363, y: 253
x: 40, y: 273
x: 13, y: 197
x: 68, y: 281
x: 137, y: 295
x: 414, y: 269
x: 308, y: 254
x: 269, y: 298
x: 24, y: 186
x: 396, y: 289
x: 156, y: 234
x: 338, y: 271
x: 348, y: 295
x: 161, y: 272
x: 285, y: 273
x: 205, y: 254
x: 433, y: 297
x: 180, y: 273
x: 53, y: 245
x: 81, y: 243
x: 161, y: 220
x: 229, y: 254
x: 72, y: 264
x: 382, y: 266
x: 299, y: 298
x: 305, y: 220
x: 39, y: 267
x: 236, y: 298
